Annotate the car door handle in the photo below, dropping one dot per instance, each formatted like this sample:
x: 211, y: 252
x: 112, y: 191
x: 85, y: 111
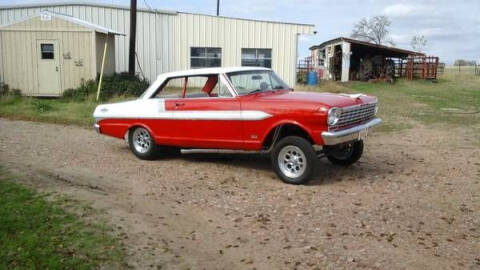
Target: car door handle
x: 178, y: 104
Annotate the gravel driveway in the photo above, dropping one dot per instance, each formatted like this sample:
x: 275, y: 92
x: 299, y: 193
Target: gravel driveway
x: 412, y: 202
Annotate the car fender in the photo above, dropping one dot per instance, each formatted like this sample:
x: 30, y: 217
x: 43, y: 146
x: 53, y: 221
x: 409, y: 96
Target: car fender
x: 138, y: 124
x: 283, y: 122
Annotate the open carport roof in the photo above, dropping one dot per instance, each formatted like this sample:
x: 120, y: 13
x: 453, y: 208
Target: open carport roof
x: 379, y: 49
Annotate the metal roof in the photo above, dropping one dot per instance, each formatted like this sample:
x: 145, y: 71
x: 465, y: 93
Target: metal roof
x: 124, y: 7
x: 94, y: 27
x: 368, y: 44
x: 83, y: 3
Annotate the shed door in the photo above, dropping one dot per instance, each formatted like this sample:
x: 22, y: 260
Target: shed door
x: 48, y: 67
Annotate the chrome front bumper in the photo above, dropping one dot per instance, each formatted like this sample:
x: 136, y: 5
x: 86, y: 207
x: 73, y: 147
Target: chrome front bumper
x: 349, y: 134
x: 96, y: 127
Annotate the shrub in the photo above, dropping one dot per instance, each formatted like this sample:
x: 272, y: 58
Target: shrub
x: 6, y: 93
x: 86, y: 89
x: 301, y: 77
x: 4, y: 90
x: 16, y: 92
x: 119, y: 84
x: 122, y: 84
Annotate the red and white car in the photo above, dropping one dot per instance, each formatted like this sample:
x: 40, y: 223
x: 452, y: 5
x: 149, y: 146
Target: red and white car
x: 244, y: 108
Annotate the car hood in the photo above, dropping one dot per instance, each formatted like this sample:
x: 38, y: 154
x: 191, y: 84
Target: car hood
x: 325, y: 99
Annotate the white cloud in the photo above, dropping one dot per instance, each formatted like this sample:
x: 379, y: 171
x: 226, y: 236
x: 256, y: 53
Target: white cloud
x: 401, y: 38
x: 399, y: 10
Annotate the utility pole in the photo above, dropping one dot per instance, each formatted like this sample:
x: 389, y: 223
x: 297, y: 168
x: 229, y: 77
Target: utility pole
x: 133, y: 34
x: 218, y: 7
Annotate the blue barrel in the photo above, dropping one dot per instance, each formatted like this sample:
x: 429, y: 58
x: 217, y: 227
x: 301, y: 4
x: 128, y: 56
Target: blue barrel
x: 312, y: 78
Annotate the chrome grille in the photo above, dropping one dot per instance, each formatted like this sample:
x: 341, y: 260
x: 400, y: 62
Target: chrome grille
x: 355, y: 114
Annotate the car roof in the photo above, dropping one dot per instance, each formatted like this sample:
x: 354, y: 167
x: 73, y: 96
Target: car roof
x: 203, y: 71
x: 194, y: 72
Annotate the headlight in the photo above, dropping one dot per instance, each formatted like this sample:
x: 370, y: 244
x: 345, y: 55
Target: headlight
x: 333, y: 116
x: 376, y: 109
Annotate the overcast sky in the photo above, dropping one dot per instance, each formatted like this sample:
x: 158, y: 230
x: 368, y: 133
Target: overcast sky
x: 452, y: 27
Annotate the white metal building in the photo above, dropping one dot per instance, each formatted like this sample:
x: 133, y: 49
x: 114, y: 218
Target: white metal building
x: 45, y: 54
x: 170, y: 40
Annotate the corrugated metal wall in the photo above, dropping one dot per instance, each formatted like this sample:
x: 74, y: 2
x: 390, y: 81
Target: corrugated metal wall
x: 20, y: 53
x: 109, y: 67
x: 164, y: 38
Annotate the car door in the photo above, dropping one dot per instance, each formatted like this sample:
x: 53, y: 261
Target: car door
x: 207, y: 115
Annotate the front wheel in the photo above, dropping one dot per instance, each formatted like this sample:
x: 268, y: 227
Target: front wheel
x: 293, y: 160
x: 345, y: 154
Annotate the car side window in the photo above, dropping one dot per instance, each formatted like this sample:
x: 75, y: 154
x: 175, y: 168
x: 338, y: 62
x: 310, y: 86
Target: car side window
x: 205, y: 86
x: 221, y: 90
x: 200, y: 86
x: 173, y: 88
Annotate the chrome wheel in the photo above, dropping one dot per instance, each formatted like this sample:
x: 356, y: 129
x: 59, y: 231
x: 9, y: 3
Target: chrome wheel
x: 141, y: 140
x: 292, y: 161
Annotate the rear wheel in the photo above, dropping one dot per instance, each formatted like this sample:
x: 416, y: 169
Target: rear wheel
x: 142, y: 144
x: 345, y: 154
x: 293, y: 159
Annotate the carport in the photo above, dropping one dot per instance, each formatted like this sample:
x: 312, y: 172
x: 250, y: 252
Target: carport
x: 349, y: 59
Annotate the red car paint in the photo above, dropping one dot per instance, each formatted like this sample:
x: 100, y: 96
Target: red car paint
x: 303, y: 109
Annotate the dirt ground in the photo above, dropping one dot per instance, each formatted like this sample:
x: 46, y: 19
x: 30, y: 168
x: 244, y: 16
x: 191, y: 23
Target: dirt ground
x: 412, y: 202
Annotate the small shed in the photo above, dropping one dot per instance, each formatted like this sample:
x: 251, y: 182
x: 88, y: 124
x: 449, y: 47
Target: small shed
x: 45, y: 54
x: 348, y: 59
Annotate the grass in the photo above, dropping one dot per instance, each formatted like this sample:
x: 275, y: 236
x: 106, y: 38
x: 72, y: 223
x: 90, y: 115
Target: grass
x: 61, y: 111
x: 37, y: 233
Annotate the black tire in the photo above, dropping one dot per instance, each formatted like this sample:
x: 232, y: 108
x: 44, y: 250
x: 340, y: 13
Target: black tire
x: 345, y: 154
x: 292, y: 172
x: 136, y: 144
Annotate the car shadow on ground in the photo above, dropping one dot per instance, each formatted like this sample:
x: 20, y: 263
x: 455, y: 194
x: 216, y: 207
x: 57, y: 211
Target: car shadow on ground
x: 326, y: 173
x: 365, y: 169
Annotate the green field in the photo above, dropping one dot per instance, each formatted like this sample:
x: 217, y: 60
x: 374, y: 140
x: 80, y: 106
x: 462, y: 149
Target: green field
x: 454, y: 99
x: 36, y: 232
x: 450, y: 100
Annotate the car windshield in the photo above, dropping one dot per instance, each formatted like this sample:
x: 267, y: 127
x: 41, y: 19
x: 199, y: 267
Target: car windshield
x: 246, y: 82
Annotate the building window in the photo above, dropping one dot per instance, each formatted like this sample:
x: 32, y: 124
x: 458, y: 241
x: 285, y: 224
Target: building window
x: 257, y: 57
x: 47, y: 51
x: 205, y: 57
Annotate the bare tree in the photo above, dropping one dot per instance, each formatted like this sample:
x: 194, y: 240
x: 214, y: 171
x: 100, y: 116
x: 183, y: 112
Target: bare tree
x: 419, y: 43
x: 374, y: 30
